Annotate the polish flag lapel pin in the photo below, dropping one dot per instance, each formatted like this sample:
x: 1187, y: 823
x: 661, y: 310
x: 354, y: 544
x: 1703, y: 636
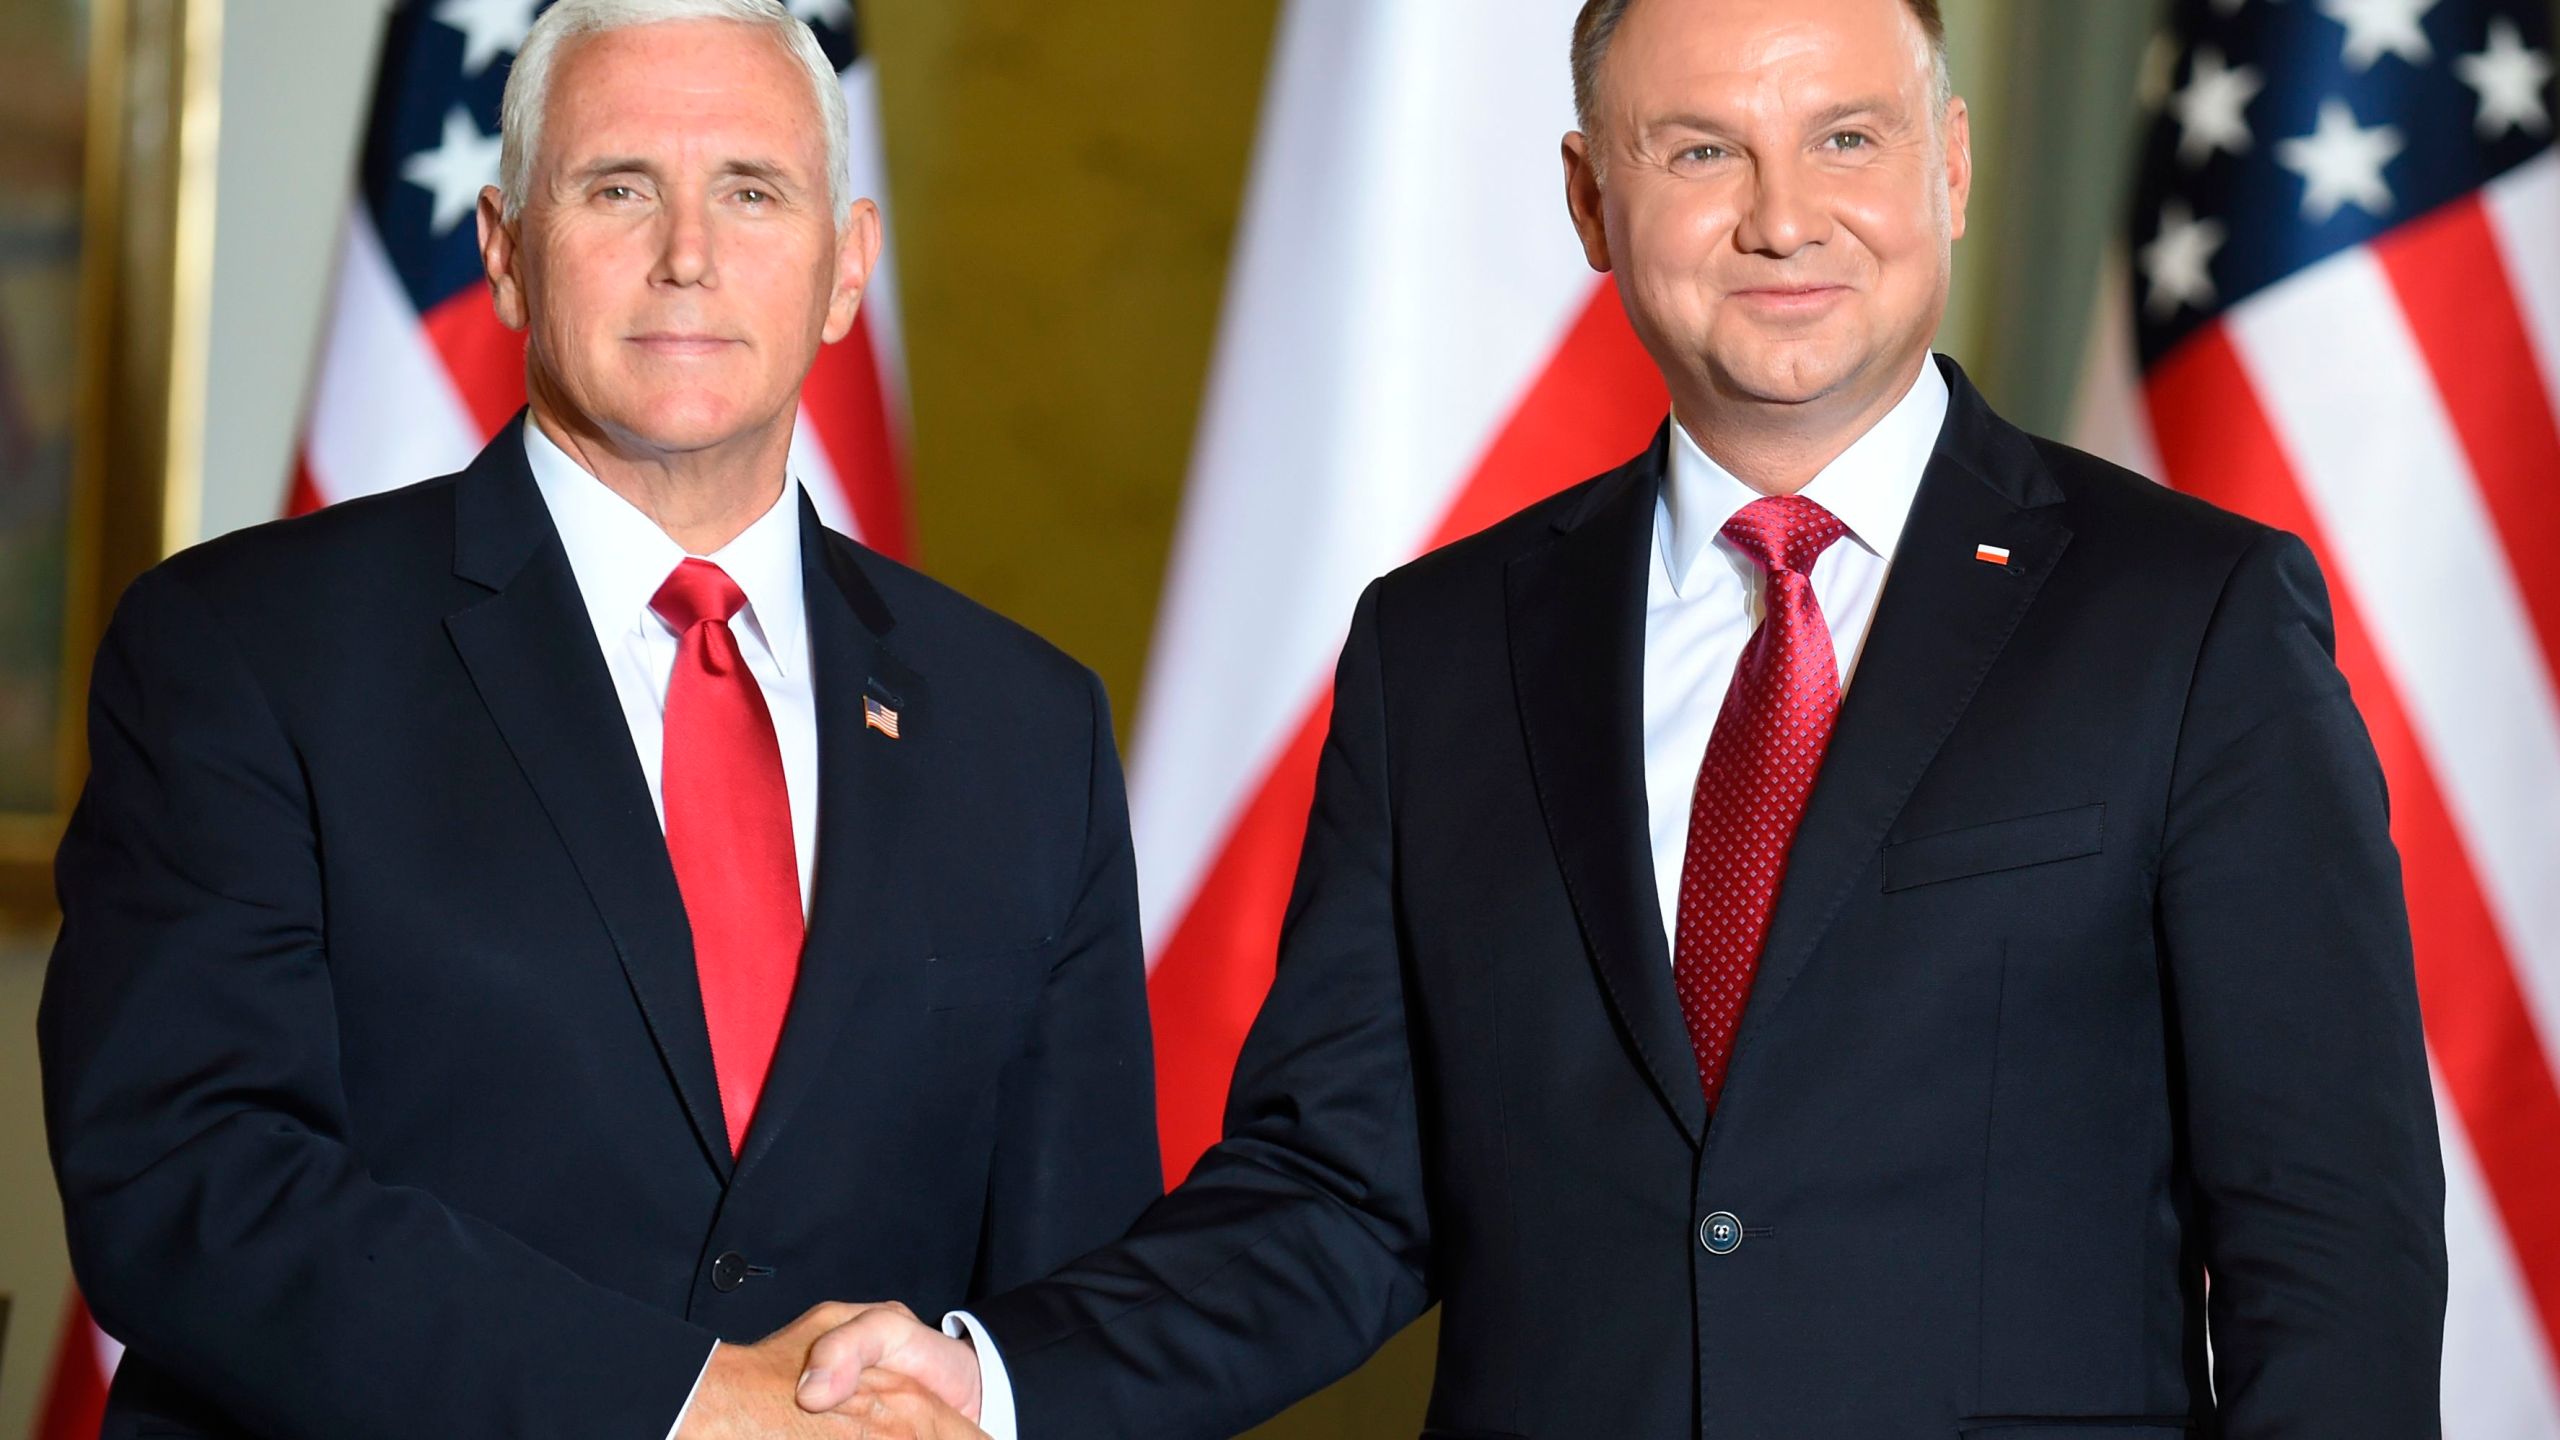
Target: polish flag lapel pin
x: 1991, y: 554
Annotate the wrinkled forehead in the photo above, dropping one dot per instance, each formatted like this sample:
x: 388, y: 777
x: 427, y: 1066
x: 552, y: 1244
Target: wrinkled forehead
x: 1713, y: 57
x: 712, y: 88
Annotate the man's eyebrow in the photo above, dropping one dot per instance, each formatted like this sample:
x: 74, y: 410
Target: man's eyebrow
x: 770, y: 171
x: 1882, y: 108
x: 1684, y: 120
x: 613, y: 165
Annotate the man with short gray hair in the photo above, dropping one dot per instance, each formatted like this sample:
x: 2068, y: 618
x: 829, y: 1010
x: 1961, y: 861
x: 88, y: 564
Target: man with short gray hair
x: 529, y: 936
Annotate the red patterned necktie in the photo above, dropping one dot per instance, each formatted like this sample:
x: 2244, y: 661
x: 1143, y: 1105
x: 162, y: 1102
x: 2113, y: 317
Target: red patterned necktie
x: 1760, y: 764
x: 729, y: 836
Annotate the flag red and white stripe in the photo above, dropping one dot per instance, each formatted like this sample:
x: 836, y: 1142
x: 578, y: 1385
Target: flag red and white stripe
x: 75, y: 1393
x: 2398, y: 406
x: 1411, y: 348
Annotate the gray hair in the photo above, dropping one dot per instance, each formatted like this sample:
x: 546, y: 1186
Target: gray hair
x: 1598, y: 24
x: 529, y: 80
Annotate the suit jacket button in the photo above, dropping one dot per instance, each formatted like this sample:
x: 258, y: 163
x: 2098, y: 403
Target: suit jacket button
x: 729, y: 1271
x: 1721, y: 1233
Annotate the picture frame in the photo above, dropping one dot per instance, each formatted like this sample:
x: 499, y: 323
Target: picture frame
x: 106, y: 255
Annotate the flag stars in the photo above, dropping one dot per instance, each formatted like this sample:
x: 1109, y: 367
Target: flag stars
x: 2376, y: 28
x: 490, y: 28
x: 2509, y: 77
x: 455, y: 171
x: 2211, y: 110
x: 2179, y: 264
x: 2341, y: 163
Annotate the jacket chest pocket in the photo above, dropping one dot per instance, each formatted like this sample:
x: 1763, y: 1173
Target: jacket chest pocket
x: 2001, y: 845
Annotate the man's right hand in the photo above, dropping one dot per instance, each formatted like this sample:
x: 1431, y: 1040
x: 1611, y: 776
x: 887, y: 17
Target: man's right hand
x: 746, y: 1391
x: 889, y: 1337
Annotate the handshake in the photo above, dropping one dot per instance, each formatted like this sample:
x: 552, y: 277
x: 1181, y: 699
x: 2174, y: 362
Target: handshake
x: 863, y: 1372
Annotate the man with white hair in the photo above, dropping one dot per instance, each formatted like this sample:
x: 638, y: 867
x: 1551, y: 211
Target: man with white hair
x: 530, y: 934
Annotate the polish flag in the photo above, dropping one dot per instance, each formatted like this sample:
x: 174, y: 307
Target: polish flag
x: 75, y: 1394
x: 1412, y: 348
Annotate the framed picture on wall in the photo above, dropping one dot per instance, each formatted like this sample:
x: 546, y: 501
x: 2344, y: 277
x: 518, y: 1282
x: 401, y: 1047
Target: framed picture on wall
x: 107, y: 121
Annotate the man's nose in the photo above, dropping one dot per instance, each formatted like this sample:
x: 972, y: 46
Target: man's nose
x: 685, y: 250
x: 1783, y: 213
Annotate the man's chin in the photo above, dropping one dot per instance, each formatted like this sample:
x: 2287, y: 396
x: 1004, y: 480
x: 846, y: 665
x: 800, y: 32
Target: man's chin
x: 1787, y: 375
x: 681, y: 427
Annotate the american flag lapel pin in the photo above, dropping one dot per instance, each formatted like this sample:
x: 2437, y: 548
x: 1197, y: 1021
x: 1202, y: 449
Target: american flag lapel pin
x: 880, y: 717
x: 1991, y: 554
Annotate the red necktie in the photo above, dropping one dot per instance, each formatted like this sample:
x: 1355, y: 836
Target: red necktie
x: 1760, y: 764
x: 729, y: 835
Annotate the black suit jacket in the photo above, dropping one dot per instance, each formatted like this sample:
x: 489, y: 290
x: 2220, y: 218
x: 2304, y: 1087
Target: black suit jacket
x: 2090, y: 974
x: 375, y: 1067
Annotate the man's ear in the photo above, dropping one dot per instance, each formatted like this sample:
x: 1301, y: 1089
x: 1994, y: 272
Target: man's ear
x: 857, y: 252
x: 1582, y: 198
x: 498, y: 259
x: 1959, y: 132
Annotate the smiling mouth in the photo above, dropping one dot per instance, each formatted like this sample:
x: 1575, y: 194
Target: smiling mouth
x: 1791, y: 300
x: 681, y: 344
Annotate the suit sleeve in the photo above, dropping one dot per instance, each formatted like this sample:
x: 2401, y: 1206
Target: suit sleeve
x: 1299, y: 1244
x: 1075, y: 1157
x: 2319, y: 1187
x: 221, y: 1222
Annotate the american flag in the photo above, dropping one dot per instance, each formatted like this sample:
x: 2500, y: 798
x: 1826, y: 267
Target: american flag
x: 416, y: 374
x: 2346, y: 297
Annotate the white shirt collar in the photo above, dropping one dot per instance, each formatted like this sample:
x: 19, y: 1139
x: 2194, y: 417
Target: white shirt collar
x: 620, y: 557
x: 1870, y: 487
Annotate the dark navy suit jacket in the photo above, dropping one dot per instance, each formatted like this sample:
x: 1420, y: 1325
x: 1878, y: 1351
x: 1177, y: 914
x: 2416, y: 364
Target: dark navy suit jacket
x: 2090, y: 975
x: 375, y: 1066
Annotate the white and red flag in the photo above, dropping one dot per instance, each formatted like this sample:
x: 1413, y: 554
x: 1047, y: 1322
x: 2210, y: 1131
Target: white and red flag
x: 1412, y: 348
x: 416, y: 374
x: 75, y: 1393
x: 2344, y: 313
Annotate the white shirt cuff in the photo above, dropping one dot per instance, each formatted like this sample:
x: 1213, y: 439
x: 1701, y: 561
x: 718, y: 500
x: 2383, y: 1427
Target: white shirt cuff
x: 696, y: 1390
x: 995, y: 1388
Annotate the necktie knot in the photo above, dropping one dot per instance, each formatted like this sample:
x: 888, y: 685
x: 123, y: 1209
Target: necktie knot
x: 1784, y: 533
x: 695, y: 591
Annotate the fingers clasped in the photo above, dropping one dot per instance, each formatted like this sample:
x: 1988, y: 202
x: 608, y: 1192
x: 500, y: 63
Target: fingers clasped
x: 885, y: 1352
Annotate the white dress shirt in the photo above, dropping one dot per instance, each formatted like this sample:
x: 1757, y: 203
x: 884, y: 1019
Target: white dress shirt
x: 619, y: 558
x: 1703, y: 600
x: 1702, y: 604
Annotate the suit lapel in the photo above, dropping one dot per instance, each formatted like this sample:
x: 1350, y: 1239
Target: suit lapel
x: 1943, y: 619
x: 531, y: 652
x: 1576, y: 611
x: 863, y: 919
